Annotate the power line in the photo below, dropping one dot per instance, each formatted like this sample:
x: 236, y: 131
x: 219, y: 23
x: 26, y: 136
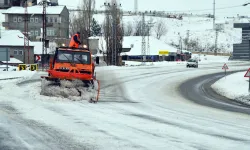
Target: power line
x: 192, y: 10
x: 206, y: 9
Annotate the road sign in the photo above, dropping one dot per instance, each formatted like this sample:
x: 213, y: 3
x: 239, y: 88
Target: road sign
x: 4, y: 54
x: 38, y: 58
x: 247, y: 73
x: 22, y: 67
x: 33, y: 67
x: 225, y: 67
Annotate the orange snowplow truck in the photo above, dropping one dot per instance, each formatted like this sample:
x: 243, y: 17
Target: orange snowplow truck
x: 72, y: 64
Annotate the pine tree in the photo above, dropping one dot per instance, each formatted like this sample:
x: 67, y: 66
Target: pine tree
x: 95, y: 28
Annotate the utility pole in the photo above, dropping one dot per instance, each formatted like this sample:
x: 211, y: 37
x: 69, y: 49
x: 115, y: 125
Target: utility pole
x: 114, y: 49
x: 214, y: 16
x: 143, y: 46
x: 216, y: 42
x: 180, y: 43
x: 26, y: 30
x: 136, y: 6
x: 89, y: 11
x: 187, y: 40
x: 148, y: 48
x: 44, y: 33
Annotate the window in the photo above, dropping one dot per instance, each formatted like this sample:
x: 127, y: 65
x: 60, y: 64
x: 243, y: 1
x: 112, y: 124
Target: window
x: 20, y: 19
x: 15, y: 19
x: 50, y: 32
x: 59, y: 20
x: 36, y: 20
x: 51, y: 19
x: 47, y: 19
x: 15, y: 52
x: 65, y: 57
x: 55, y: 19
x: 74, y: 57
x: 32, y: 33
x: 36, y: 33
x: 31, y: 19
x: 20, y: 52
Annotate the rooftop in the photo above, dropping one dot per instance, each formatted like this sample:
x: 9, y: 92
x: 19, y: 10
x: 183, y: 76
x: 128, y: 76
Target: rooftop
x: 37, y: 9
x: 13, y: 61
x: 12, y: 38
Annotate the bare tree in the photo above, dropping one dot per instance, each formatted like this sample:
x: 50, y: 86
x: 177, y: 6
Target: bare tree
x: 128, y: 30
x: 138, y: 28
x: 113, y: 32
x: 160, y: 29
x: 82, y: 20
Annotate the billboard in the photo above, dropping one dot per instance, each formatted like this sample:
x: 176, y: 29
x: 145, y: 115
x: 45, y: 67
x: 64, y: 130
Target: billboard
x: 163, y: 52
x: 4, y: 54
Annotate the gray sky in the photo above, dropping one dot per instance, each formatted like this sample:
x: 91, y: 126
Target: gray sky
x: 177, y: 5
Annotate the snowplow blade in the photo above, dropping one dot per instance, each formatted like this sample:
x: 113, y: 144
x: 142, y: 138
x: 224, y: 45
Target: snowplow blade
x: 84, y: 89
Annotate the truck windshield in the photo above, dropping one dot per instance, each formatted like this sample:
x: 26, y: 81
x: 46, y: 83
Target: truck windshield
x: 73, y: 57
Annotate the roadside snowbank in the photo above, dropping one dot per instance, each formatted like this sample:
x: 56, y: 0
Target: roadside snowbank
x: 16, y: 74
x: 234, y: 86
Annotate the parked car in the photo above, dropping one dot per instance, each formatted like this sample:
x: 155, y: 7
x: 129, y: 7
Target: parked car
x: 192, y: 63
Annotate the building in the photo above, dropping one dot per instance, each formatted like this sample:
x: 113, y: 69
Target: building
x: 4, y: 4
x: 132, y: 49
x: 14, y: 41
x: 241, y: 51
x: 57, y: 21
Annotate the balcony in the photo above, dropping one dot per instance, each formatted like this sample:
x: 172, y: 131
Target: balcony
x: 5, y: 24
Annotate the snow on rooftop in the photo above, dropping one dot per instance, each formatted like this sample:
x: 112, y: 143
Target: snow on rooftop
x: 13, y: 61
x: 37, y: 9
x: 12, y: 38
x: 136, y: 41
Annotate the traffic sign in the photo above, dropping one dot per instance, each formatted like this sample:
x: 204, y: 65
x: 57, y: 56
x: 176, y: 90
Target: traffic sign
x: 225, y: 67
x: 22, y: 67
x: 33, y: 67
x: 38, y: 58
x: 247, y: 73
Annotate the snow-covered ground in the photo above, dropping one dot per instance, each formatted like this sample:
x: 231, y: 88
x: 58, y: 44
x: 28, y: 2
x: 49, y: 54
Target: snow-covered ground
x: 234, y: 86
x: 139, y: 108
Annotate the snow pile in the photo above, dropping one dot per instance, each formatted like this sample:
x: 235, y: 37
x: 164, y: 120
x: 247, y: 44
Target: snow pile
x: 70, y: 90
x: 234, y: 86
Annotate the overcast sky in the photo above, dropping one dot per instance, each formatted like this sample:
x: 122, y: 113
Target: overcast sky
x: 177, y: 5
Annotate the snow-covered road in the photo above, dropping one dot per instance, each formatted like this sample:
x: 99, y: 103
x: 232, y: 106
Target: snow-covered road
x: 139, y: 108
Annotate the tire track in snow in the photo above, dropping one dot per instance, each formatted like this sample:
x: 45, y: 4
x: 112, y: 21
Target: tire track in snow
x: 159, y: 120
x: 19, y: 133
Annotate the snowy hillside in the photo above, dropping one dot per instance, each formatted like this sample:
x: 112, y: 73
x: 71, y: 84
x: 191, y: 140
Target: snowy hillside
x: 200, y: 30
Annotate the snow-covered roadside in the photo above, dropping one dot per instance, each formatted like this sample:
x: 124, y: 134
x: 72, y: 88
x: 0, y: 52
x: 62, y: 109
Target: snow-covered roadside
x: 16, y: 74
x: 234, y: 86
x: 16, y: 77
